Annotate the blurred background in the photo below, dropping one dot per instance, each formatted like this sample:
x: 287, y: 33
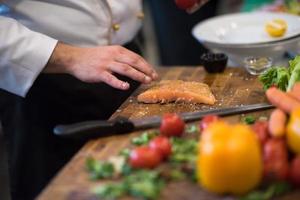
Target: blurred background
x: 166, y: 40
x: 167, y: 29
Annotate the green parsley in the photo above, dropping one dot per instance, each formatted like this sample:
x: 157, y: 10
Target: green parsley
x: 249, y: 119
x: 192, y: 129
x: 125, y: 152
x: 184, y: 150
x: 144, y: 138
x: 110, y: 191
x: 98, y: 169
x: 274, y: 190
x: 145, y: 184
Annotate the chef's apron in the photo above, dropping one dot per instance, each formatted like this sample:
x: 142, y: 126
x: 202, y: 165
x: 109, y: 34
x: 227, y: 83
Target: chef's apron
x: 35, y: 153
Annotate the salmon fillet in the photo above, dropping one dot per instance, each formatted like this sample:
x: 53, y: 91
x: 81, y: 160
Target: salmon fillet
x: 178, y: 91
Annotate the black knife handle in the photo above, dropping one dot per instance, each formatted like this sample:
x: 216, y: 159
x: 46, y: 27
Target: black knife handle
x: 93, y: 129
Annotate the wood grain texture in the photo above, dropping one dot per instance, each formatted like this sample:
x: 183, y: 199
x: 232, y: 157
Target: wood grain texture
x: 234, y: 87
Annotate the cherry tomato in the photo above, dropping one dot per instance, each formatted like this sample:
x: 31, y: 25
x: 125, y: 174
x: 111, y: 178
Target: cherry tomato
x: 294, y: 173
x: 208, y: 119
x: 277, y: 170
x: 275, y: 154
x: 261, y: 130
x: 275, y: 149
x: 171, y: 125
x: 144, y: 157
x: 185, y: 4
x: 162, y: 145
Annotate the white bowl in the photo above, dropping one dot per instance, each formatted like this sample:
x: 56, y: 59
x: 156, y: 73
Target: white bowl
x: 274, y: 50
x: 242, y: 35
x: 244, y: 28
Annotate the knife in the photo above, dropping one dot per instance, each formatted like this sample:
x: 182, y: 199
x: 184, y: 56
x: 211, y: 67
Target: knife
x: 120, y: 125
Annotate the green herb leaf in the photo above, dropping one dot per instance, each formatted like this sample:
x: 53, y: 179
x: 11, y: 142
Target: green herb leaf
x: 274, y: 190
x: 144, y: 183
x: 126, y: 169
x: 144, y: 138
x: 283, y: 78
x: 192, y: 129
x: 268, y: 78
x: 277, y: 76
x: 249, y: 119
x: 177, y: 174
x: 295, y: 72
x: 125, y: 152
x: 184, y: 150
x: 110, y: 191
x: 99, y: 170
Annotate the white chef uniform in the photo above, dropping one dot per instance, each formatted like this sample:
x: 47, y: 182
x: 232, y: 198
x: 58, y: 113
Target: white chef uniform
x: 30, y: 31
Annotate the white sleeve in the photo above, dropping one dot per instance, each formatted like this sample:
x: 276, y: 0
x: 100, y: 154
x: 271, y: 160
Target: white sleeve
x: 23, y: 55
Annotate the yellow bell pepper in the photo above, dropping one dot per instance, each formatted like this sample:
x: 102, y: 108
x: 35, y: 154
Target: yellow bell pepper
x: 293, y: 131
x: 229, y: 159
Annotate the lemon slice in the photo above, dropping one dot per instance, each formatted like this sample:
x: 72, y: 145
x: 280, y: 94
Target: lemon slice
x: 276, y: 27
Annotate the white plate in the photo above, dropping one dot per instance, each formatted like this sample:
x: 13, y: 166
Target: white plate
x: 243, y: 28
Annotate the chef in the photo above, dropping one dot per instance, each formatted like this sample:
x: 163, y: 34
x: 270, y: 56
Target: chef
x: 62, y: 61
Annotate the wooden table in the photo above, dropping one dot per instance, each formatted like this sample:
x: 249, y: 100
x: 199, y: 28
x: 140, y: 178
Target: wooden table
x: 235, y: 87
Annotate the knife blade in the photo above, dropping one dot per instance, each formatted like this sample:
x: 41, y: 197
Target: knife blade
x: 120, y: 125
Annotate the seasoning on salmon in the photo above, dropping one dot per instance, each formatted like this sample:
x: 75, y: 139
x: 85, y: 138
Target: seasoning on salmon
x: 178, y: 91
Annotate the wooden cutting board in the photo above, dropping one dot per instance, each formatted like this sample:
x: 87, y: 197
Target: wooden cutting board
x: 234, y: 87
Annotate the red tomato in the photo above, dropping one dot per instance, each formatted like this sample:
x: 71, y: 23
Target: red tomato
x: 185, y: 4
x: 171, y: 125
x: 162, y: 145
x: 294, y: 173
x: 261, y: 130
x: 275, y: 149
x: 208, y: 119
x: 277, y: 170
x: 144, y: 157
x: 275, y: 154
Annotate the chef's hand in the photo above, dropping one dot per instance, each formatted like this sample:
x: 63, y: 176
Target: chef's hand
x: 98, y: 64
x: 286, y: 101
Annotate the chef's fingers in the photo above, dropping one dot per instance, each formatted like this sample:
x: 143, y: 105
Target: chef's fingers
x: 113, y: 81
x: 136, y: 61
x: 277, y: 123
x: 282, y: 100
x: 295, y: 92
x: 129, y: 71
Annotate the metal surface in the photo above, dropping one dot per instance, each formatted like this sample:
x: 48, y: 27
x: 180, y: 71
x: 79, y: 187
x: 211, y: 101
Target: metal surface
x: 154, y: 121
x: 93, y: 129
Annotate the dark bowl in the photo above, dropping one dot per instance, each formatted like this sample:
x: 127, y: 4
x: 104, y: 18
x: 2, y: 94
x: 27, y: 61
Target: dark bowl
x: 214, y: 62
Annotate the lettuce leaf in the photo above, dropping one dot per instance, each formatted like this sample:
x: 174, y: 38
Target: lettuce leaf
x: 277, y: 76
x: 281, y: 77
x: 293, y: 63
x: 294, y: 70
x: 295, y: 77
